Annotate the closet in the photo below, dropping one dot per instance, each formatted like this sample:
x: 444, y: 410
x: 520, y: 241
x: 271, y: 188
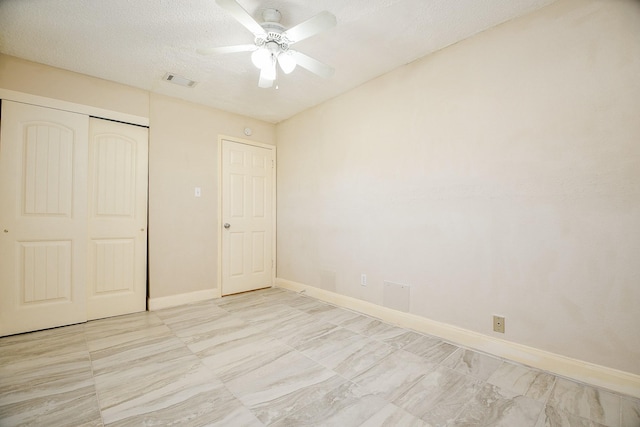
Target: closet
x: 73, y: 218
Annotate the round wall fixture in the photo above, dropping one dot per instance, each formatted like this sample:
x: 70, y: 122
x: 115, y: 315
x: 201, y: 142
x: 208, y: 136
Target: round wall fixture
x: 248, y: 131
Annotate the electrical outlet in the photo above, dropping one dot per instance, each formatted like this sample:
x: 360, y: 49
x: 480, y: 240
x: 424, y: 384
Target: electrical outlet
x: 498, y: 324
x: 363, y: 279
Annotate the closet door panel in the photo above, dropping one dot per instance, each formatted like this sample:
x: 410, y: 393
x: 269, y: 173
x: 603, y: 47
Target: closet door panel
x: 118, y: 179
x: 43, y: 217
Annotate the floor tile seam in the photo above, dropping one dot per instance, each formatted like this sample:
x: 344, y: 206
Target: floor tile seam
x: 224, y: 384
x: 540, y: 412
x: 362, y: 337
x: 441, y: 364
x: 373, y: 337
x: 291, y: 349
x: 318, y: 363
x: 525, y: 393
x: 460, y: 346
x: 549, y: 392
x: 588, y: 420
x: 177, y: 326
x: 438, y: 400
x: 503, y: 359
x: 470, y: 401
x: 302, y: 341
x: 441, y: 339
x: 380, y: 361
x: 194, y: 354
x: 596, y: 388
x: 321, y: 364
x: 115, y: 366
x: 265, y: 331
x: 620, y: 418
x: 620, y: 396
x: 481, y: 382
x: 171, y: 336
x: 93, y: 377
x: 41, y: 356
x: 304, y: 407
x: 46, y: 353
x: 45, y: 390
x: 205, y: 366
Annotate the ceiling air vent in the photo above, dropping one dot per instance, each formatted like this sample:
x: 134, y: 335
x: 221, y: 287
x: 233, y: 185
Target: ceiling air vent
x: 179, y: 80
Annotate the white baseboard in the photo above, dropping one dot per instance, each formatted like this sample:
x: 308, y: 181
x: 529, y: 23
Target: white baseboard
x: 589, y: 373
x: 181, y: 299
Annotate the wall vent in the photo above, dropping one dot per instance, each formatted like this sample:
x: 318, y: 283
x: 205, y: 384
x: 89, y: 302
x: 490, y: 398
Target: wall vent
x: 179, y: 80
x: 396, y: 296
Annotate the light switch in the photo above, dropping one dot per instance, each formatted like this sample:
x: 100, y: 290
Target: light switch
x: 197, y: 192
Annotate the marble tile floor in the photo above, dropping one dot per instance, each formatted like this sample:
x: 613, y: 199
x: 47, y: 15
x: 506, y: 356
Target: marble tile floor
x: 274, y: 357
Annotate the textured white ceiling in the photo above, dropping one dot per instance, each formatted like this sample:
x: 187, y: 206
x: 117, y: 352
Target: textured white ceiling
x: 136, y: 42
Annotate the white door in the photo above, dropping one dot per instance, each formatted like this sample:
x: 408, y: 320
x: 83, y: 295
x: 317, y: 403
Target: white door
x: 247, y: 217
x: 43, y: 218
x: 117, y: 263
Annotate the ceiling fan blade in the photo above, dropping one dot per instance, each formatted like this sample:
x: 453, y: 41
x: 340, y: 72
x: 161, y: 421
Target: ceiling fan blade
x: 313, y: 65
x: 242, y: 16
x: 227, y: 49
x: 312, y: 26
x: 264, y: 82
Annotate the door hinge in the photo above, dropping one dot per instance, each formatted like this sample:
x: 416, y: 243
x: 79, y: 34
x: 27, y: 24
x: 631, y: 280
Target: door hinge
x: 273, y: 164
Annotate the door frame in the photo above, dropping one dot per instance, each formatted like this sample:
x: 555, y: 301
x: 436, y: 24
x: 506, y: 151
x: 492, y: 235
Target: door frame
x: 274, y: 254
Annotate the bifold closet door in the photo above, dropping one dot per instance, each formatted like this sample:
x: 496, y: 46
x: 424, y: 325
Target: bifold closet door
x: 43, y: 218
x: 117, y: 263
x: 73, y: 218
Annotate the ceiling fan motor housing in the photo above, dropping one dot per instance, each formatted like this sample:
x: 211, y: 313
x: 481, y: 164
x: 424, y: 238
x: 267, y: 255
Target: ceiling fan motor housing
x: 274, y: 32
x: 271, y: 15
x: 272, y: 42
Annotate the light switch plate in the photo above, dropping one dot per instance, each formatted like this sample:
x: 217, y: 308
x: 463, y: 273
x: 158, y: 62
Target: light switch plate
x: 198, y: 192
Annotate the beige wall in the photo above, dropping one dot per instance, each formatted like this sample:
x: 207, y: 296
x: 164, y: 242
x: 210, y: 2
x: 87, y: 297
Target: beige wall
x: 498, y: 176
x: 37, y: 79
x: 183, y: 155
x: 183, y: 141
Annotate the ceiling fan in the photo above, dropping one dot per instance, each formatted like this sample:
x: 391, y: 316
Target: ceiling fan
x: 272, y: 42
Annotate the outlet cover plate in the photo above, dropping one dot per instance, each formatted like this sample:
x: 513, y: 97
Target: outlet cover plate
x: 498, y: 324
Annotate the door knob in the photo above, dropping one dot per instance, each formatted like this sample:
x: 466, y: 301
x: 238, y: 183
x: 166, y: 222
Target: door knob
x: 227, y: 225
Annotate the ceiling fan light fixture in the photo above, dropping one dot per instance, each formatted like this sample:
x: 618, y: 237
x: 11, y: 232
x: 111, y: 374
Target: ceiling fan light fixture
x: 287, y: 62
x: 272, y: 42
x: 269, y: 72
x: 261, y: 58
